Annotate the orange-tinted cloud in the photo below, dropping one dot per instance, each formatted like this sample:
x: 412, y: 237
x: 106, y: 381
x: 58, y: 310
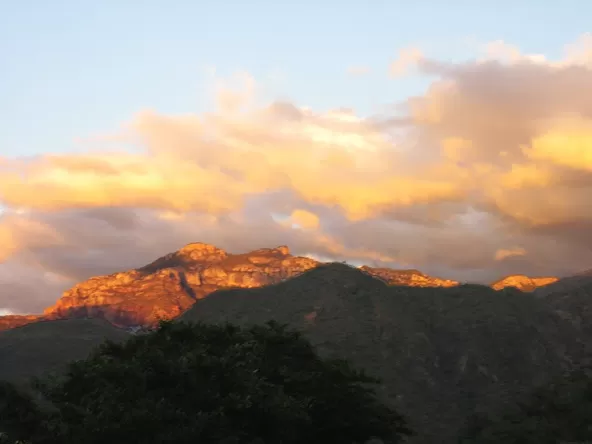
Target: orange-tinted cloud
x: 214, y: 163
x: 505, y: 253
x: 487, y: 173
x: 304, y: 219
x: 407, y: 59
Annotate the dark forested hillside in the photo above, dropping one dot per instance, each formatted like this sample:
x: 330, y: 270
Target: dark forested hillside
x: 34, y: 349
x: 441, y: 352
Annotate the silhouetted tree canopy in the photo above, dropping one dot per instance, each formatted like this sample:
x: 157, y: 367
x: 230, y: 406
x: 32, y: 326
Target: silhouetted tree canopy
x: 558, y: 413
x: 189, y: 383
x: 20, y: 418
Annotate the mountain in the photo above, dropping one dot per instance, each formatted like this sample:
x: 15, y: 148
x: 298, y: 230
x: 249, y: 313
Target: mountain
x: 43, y: 346
x: 171, y: 284
x: 442, y: 352
x: 574, y: 304
x: 523, y: 283
x: 566, y: 284
x: 409, y: 278
x: 12, y: 321
x: 168, y: 286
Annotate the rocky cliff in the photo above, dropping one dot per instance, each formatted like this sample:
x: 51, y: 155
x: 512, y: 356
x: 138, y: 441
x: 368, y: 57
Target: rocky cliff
x: 168, y: 286
x: 523, y: 283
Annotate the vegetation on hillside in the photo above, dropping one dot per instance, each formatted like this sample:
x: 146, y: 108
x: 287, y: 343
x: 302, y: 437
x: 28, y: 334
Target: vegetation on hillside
x: 442, y: 353
x: 45, y: 346
x: 559, y: 412
x: 187, y: 383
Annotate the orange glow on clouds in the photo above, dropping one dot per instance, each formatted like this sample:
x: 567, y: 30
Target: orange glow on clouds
x: 507, y: 137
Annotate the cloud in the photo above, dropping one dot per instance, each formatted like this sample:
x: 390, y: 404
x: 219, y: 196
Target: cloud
x: 27, y: 288
x: 303, y: 219
x: 213, y: 164
x: 504, y: 253
x: 487, y: 173
x: 408, y: 58
x: 566, y: 141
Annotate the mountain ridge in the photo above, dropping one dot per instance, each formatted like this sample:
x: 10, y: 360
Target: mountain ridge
x: 441, y: 352
x: 171, y: 284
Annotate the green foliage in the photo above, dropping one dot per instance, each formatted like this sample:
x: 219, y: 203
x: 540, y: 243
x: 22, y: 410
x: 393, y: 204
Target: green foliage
x: 188, y: 383
x: 559, y: 412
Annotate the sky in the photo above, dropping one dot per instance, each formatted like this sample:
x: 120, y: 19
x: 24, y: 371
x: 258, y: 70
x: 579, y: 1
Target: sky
x: 453, y: 137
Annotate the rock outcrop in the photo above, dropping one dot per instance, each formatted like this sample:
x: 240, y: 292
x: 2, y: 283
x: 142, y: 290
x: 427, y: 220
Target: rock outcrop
x: 408, y: 278
x: 170, y: 285
x: 523, y: 283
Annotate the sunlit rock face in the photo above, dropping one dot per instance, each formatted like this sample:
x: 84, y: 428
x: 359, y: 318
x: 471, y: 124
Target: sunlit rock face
x: 170, y: 285
x: 408, y: 278
x: 13, y: 321
x: 523, y: 283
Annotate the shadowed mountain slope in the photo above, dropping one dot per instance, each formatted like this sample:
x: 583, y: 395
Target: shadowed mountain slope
x: 43, y: 346
x: 11, y: 321
x: 574, y: 304
x: 566, y: 284
x: 441, y: 352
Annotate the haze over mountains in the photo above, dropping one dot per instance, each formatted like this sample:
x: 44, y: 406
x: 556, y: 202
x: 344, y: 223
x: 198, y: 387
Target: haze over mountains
x: 170, y: 285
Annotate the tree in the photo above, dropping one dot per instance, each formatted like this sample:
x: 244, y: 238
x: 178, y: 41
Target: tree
x: 19, y: 416
x: 188, y: 383
x: 558, y: 412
